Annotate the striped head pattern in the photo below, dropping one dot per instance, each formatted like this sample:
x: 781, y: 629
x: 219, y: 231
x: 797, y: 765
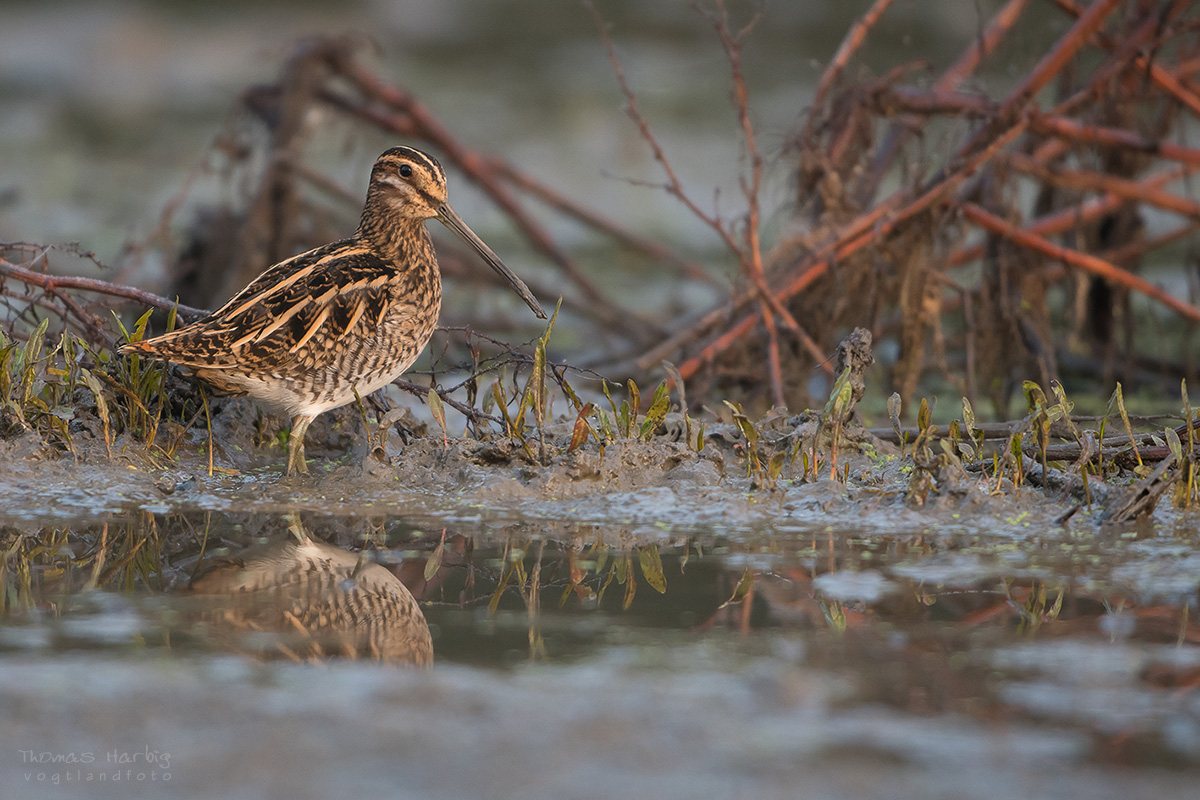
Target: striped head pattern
x: 409, y: 183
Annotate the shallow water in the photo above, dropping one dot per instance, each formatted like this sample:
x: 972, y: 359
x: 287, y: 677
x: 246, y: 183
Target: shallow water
x: 864, y: 662
x: 676, y: 636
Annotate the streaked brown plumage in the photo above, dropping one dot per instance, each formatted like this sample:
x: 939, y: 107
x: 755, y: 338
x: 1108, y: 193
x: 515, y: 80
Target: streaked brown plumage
x: 345, y: 318
x: 317, y: 599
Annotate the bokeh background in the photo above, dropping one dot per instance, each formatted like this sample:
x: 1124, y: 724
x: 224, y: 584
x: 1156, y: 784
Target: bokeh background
x: 107, y: 106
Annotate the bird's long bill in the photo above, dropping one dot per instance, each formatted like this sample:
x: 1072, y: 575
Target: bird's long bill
x: 454, y: 222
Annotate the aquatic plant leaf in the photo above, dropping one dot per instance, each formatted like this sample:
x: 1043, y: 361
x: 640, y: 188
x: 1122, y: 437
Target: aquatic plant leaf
x: 652, y: 568
x: 775, y: 465
x: 438, y: 410
x: 677, y: 379
x: 434, y: 562
x: 1118, y: 396
x: 1064, y: 407
x: 29, y: 358
x: 569, y: 391
x: 537, y: 384
x: 611, y: 574
x: 536, y: 388
x: 1035, y: 398
x: 742, y: 422
x: 624, y: 421
x: 635, y: 405
x: 1174, y: 443
x: 753, y: 465
x: 1187, y: 412
x: 600, y: 553
x: 502, y: 407
x: 611, y: 403
x: 578, y: 573
x: 968, y: 415
x: 630, y: 591
x: 659, y: 406
x: 494, y: 603
x: 579, y: 435
x: 8, y: 350
x: 522, y: 407
x: 745, y: 583
x: 606, y: 425
x: 839, y: 398
x: 93, y: 384
x: 835, y: 615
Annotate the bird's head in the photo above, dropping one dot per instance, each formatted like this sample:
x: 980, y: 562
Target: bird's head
x: 409, y: 183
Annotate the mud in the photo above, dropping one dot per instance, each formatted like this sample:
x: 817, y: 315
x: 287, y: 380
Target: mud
x: 628, y: 482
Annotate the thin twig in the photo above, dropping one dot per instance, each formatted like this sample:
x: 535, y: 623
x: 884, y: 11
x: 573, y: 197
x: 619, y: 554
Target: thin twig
x: 1079, y: 259
x: 52, y: 282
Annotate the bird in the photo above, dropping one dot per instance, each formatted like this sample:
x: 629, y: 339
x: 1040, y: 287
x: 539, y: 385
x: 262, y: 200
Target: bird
x: 316, y: 598
x: 318, y: 330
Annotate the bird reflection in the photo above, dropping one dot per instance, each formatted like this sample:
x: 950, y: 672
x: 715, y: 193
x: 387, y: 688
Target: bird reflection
x: 302, y: 598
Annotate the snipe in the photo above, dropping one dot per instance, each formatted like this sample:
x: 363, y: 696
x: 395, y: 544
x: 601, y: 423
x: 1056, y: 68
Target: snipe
x: 349, y: 317
x: 302, y: 597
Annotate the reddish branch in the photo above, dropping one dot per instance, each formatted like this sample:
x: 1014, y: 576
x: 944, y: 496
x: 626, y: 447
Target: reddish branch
x: 659, y: 253
x: 1011, y: 119
x: 1163, y: 78
x: 849, y: 46
x: 53, y: 284
x: 1067, y: 218
x: 1075, y: 258
x: 900, y: 131
x: 1101, y: 182
x: 1113, y: 137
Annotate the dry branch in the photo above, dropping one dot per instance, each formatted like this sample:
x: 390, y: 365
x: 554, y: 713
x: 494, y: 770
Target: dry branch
x: 1091, y: 127
x: 1016, y: 137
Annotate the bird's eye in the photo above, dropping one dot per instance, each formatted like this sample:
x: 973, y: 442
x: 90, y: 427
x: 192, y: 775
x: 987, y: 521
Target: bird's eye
x: 405, y: 171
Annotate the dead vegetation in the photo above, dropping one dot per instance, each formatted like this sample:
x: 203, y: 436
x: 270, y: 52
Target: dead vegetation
x: 1008, y: 256
x: 1006, y: 264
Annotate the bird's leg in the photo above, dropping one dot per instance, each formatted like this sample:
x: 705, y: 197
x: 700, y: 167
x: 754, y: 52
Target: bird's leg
x: 296, y: 463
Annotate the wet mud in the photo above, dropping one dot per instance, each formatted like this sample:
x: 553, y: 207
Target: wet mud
x: 356, y: 468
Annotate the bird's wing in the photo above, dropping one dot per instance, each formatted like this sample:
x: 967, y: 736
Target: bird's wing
x: 295, y: 307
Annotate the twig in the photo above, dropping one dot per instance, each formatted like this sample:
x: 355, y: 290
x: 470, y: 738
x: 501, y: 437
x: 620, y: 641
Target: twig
x: 1067, y: 218
x: 1103, y: 182
x: 966, y: 64
x: 1078, y: 259
x: 51, y: 283
x: 1161, y: 76
x: 850, y: 44
x: 1114, y: 137
x: 473, y: 414
x: 989, y: 140
x: 658, y: 252
x: 749, y: 256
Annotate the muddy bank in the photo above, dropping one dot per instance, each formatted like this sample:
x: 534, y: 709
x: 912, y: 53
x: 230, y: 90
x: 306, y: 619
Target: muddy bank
x: 629, y: 482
